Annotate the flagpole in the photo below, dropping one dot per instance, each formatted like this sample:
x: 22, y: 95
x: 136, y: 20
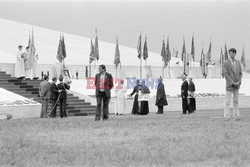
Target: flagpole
x: 63, y: 64
x: 141, y: 67
x: 205, y: 64
x: 89, y: 69
x: 163, y: 69
x: 140, y: 47
x: 115, y: 72
x: 221, y: 65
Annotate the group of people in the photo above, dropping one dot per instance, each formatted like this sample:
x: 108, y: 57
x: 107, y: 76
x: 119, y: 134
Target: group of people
x: 26, y: 66
x: 56, y: 93
x: 104, y: 83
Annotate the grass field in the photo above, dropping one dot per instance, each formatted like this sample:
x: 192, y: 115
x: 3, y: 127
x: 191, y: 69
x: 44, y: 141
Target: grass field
x: 171, y: 139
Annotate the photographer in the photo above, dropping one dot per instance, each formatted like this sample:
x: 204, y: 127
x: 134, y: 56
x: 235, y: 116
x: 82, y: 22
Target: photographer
x: 63, y: 86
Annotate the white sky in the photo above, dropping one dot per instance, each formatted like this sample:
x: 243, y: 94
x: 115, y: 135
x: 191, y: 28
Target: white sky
x: 221, y: 20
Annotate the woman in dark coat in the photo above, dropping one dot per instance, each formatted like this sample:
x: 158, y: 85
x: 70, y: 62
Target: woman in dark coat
x: 191, y: 90
x: 161, y: 99
x: 135, y: 108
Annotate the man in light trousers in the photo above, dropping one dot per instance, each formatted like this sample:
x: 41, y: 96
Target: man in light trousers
x: 233, y: 76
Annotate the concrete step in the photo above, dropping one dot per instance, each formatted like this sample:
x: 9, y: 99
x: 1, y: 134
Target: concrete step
x: 26, y: 86
x: 30, y: 89
x: 20, y: 83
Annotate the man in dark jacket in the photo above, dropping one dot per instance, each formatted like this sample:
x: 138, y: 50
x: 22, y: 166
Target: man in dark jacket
x: 54, y: 96
x: 63, y: 96
x: 103, y: 83
x: 161, y: 99
x: 191, y: 90
x: 184, y: 95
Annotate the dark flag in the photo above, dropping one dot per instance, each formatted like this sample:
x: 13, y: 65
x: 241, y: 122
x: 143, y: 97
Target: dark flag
x: 63, y: 47
x: 243, y: 59
x: 91, y: 54
x: 96, y: 47
x: 201, y: 56
x: 222, y: 60
x: 164, y: 54
x: 117, y: 54
x: 192, y: 49
x: 225, y: 53
x: 204, y: 66
x: 145, y: 49
x: 59, y: 51
x: 168, y: 51
x: 183, y: 53
x: 139, y: 47
x: 209, y: 54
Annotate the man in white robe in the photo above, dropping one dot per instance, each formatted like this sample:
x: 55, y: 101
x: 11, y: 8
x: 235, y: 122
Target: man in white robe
x: 28, y: 63
x: 19, y: 67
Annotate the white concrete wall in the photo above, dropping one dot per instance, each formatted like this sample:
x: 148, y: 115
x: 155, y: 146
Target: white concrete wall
x: 128, y: 71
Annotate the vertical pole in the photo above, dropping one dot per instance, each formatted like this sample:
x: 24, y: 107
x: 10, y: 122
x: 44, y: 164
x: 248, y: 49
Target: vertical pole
x: 162, y: 69
x: 63, y: 64
x: 141, y: 67
x: 221, y: 66
x: 89, y: 69
x: 115, y: 72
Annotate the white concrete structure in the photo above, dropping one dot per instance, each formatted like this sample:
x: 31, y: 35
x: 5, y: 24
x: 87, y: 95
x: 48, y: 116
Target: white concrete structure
x: 18, y: 106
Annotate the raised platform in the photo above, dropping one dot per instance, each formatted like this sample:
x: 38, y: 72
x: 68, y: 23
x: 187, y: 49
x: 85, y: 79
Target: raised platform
x: 204, y: 87
x: 18, y: 106
x: 175, y: 104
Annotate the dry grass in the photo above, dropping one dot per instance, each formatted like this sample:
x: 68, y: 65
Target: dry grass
x: 170, y: 139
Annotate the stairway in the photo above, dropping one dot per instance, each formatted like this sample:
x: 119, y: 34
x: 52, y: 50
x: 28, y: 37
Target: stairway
x: 30, y: 89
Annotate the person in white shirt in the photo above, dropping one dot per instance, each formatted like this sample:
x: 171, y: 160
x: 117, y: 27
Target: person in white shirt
x: 19, y: 66
x: 35, y: 74
x: 119, y: 101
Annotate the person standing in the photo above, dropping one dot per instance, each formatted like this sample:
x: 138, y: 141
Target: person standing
x: 191, y: 97
x: 45, y: 93
x: 103, y: 83
x: 35, y: 74
x: 135, y: 108
x: 28, y: 63
x: 184, y: 95
x: 19, y: 67
x: 233, y: 76
x: 144, y: 97
x: 63, y: 87
x: 54, y: 97
x: 120, y: 103
x: 161, y: 99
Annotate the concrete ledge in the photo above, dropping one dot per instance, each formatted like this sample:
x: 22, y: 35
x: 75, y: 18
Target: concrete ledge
x: 18, y: 106
x: 27, y: 111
